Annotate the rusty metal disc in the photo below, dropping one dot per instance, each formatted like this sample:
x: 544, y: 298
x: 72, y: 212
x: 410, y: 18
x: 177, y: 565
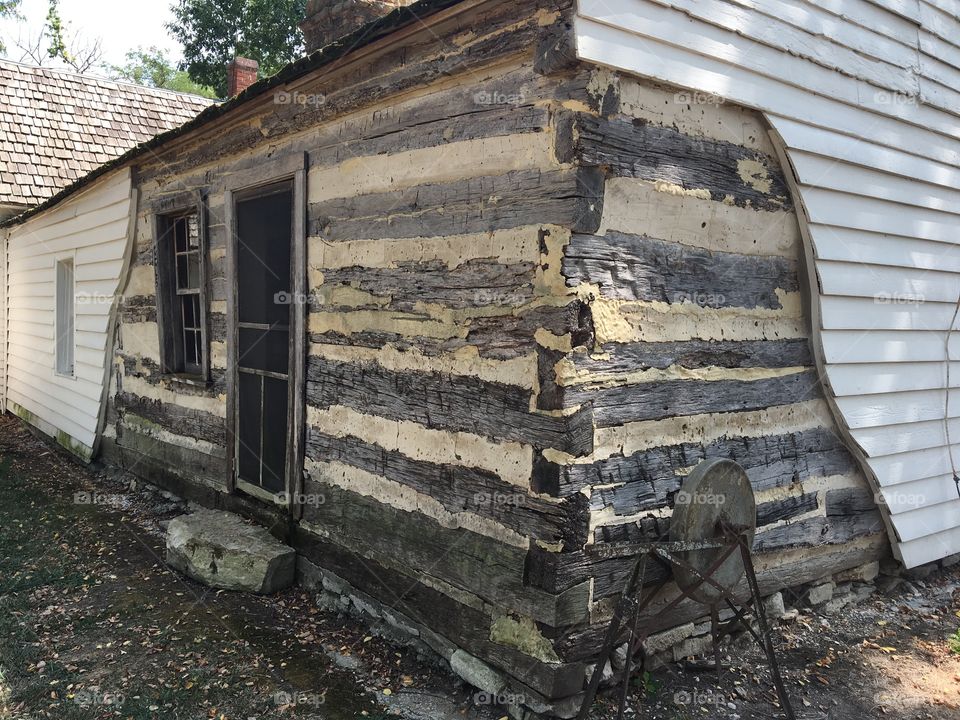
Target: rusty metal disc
x: 716, y: 495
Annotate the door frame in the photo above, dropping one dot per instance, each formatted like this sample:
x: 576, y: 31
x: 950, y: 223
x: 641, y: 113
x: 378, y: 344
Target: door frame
x: 244, y: 185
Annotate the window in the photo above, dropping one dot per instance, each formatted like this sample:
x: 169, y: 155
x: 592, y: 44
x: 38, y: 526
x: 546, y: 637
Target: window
x: 64, y: 320
x: 181, y: 301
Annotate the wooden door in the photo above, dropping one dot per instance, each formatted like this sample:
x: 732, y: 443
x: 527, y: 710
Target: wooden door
x: 264, y: 234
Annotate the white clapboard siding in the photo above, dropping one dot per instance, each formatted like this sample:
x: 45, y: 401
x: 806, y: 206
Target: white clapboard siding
x: 843, y: 244
x: 875, y: 378
x: 92, y: 228
x: 3, y: 322
x: 863, y: 97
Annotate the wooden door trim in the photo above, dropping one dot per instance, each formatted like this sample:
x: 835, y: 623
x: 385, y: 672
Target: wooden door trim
x: 243, y: 185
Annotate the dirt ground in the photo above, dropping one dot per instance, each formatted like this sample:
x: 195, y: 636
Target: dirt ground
x: 93, y: 625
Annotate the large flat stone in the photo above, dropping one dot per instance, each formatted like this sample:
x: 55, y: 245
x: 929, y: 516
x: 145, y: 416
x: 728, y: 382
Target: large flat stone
x: 221, y: 550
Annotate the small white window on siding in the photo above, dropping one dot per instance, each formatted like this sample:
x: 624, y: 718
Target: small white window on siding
x: 64, y: 323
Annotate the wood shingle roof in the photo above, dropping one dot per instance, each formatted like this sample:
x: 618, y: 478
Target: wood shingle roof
x: 57, y: 126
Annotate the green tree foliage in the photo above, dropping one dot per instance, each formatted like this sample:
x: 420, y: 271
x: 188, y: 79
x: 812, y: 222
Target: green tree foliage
x: 153, y: 68
x: 81, y: 57
x: 212, y: 32
x: 54, y: 31
x: 8, y: 8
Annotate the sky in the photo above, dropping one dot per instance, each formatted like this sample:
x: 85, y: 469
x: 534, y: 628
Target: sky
x: 121, y: 25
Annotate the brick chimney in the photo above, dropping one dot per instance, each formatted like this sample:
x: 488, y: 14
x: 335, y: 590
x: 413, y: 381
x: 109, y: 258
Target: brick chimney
x: 241, y: 74
x: 329, y: 20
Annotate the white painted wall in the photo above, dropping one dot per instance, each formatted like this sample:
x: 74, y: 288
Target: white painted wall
x: 864, y: 100
x: 93, y: 228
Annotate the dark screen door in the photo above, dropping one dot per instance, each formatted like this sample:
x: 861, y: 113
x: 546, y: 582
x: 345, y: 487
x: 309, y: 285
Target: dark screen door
x: 264, y: 234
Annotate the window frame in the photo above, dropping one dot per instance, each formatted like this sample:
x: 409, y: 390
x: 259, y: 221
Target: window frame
x: 62, y: 258
x: 170, y: 322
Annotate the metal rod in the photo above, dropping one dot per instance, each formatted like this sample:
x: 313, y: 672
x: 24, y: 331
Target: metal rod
x: 765, y: 629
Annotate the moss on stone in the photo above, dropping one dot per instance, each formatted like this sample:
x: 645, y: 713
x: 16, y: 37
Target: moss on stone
x: 523, y: 635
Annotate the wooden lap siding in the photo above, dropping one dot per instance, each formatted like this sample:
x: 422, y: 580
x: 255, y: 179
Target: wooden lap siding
x: 93, y: 229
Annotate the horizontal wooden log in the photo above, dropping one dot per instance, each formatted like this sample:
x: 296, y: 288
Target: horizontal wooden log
x: 174, y: 418
x: 787, y: 570
x: 556, y: 572
x: 500, y: 338
x: 786, y: 508
x: 465, y: 626
x: 850, y: 501
x: 652, y: 529
x: 672, y: 398
x: 648, y: 479
x: 420, y: 547
x: 832, y: 530
x: 374, y: 81
x: 148, y: 457
x: 643, y: 150
x: 567, y: 198
x: 175, y: 470
x: 149, y: 371
x: 648, y: 529
x: 611, y: 358
x: 445, y: 402
x: 430, y: 124
x: 637, y: 267
x: 475, y: 283
x: 462, y: 489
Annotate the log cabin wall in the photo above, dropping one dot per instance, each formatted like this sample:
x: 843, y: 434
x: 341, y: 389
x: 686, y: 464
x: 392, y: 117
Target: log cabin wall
x: 699, y: 348
x: 539, y: 294
x: 438, y: 208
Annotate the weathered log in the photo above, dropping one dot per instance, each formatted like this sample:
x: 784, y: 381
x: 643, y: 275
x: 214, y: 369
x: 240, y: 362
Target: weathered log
x: 637, y: 267
x: 475, y: 283
x: 610, y: 358
x: 462, y: 489
x: 416, y: 544
x: 448, y: 402
x: 413, y: 596
x: 500, y: 338
x: 568, y: 198
x: 832, y: 530
x: 651, y: 152
x: 672, y: 398
x: 647, y: 479
x: 138, y: 308
x: 850, y: 501
x: 786, y: 508
x: 176, y: 419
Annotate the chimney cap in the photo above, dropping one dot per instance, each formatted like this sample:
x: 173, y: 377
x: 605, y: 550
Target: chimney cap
x: 242, y: 62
